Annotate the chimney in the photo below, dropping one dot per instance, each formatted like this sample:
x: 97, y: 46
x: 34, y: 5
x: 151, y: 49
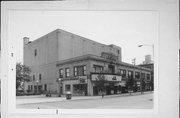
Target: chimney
x: 26, y: 40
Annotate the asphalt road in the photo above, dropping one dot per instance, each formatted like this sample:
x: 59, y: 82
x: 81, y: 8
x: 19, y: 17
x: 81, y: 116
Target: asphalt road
x: 144, y: 101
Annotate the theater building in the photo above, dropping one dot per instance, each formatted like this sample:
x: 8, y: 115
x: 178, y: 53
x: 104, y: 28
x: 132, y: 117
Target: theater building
x: 61, y: 61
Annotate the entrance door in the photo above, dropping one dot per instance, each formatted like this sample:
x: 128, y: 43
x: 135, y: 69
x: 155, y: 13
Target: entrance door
x: 35, y: 89
x: 108, y: 90
x: 40, y: 89
x: 95, y: 90
x: 115, y: 89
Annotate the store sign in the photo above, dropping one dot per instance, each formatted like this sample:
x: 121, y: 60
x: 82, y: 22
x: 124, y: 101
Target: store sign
x: 82, y: 79
x: 109, y: 56
x: 117, y: 78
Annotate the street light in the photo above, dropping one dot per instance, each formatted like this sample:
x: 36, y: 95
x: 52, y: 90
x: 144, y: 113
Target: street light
x: 37, y: 85
x: 152, y: 50
x: 59, y: 82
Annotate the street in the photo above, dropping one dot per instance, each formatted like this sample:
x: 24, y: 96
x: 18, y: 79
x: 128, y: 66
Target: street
x: 134, y: 101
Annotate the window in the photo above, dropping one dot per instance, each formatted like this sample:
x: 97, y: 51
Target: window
x: 67, y: 72
x: 118, y: 51
x: 80, y: 70
x: 98, y: 68
x: 148, y: 76
x: 33, y: 77
x: 84, y: 70
x: 35, y: 52
x: 137, y: 75
x: 130, y: 74
x: 143, y: 75
x: 39, y: 77
x: 29, y: 87
x: 67, y: 87
x: 123, y: 73
x: 61, y: 73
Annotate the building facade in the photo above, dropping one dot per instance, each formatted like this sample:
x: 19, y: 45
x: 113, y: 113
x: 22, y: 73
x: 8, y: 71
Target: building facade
x: 61, y: 61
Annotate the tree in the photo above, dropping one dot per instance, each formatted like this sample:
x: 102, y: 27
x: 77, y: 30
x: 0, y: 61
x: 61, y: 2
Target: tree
x: 100, y: 82
x: 22, y: 75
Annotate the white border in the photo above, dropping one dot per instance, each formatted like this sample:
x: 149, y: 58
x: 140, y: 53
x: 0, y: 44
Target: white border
x: 166, y: 7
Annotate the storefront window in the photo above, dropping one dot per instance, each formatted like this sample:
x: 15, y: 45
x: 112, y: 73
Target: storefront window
x: 80, y: 89
x: 67, y: 72
x: 68, y: 87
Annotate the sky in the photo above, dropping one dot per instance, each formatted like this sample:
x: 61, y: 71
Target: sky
x: 126, y: 29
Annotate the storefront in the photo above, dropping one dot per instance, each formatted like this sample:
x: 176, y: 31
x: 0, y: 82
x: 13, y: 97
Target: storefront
x: 77, y: 85
x: 110, y: 84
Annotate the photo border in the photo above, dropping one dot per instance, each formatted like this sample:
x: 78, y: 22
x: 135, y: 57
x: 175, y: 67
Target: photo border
x: 8, y: 45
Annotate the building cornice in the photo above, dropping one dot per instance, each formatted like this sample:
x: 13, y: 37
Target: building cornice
x: 97, y: 58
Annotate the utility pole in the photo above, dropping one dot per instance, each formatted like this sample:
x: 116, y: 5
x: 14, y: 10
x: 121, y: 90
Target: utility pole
x: 134, y: 61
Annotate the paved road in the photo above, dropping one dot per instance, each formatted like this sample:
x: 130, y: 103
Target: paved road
x: 139, y: 101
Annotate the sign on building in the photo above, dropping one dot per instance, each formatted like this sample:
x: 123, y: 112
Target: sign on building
x: 109, y: 56
x: 94, y: 77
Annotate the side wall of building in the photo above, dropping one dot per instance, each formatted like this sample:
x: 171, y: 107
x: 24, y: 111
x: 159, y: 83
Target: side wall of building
x: 43, y: 63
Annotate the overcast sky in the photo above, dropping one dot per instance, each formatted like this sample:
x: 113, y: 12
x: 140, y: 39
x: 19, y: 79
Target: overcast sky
x: 126, y: 29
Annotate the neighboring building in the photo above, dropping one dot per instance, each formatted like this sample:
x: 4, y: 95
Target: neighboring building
x: 147, y: 59
x: 151, y: 67
x: 61, y: 61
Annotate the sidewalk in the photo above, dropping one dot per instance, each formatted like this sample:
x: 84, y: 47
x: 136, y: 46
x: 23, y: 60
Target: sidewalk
x: 42, y: 98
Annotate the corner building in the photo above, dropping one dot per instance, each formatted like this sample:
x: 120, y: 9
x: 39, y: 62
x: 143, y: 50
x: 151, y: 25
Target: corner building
x: 61, y: 61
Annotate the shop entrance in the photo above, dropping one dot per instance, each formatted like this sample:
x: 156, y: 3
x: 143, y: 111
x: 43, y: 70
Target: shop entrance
x: 95, y: 90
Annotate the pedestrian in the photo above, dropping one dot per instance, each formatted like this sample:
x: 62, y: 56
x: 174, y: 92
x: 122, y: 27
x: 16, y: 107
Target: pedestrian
x: 102, y: 94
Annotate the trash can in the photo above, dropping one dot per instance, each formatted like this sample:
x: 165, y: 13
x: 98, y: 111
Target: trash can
x: 68, y: 95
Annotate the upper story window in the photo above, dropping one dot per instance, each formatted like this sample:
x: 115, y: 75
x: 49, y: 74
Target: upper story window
x: 35, y: 52
x: 61, y: 73
x: 118, y: 51
x: 80, y: 70
x: 130, y: 74
x: 143, y: 75
x: 67, y: 72
x: 84, y: 70
x: 123, y: 72
x: 33, y: 77
x: 137, y: 75
x: 39, y: 77
x: 148, y: 76
x: 98, y: 68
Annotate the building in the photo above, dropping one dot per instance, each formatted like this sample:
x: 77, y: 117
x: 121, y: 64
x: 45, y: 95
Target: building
x: 149, y: 84
x: 61, y: 61
x: 147, y: 59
